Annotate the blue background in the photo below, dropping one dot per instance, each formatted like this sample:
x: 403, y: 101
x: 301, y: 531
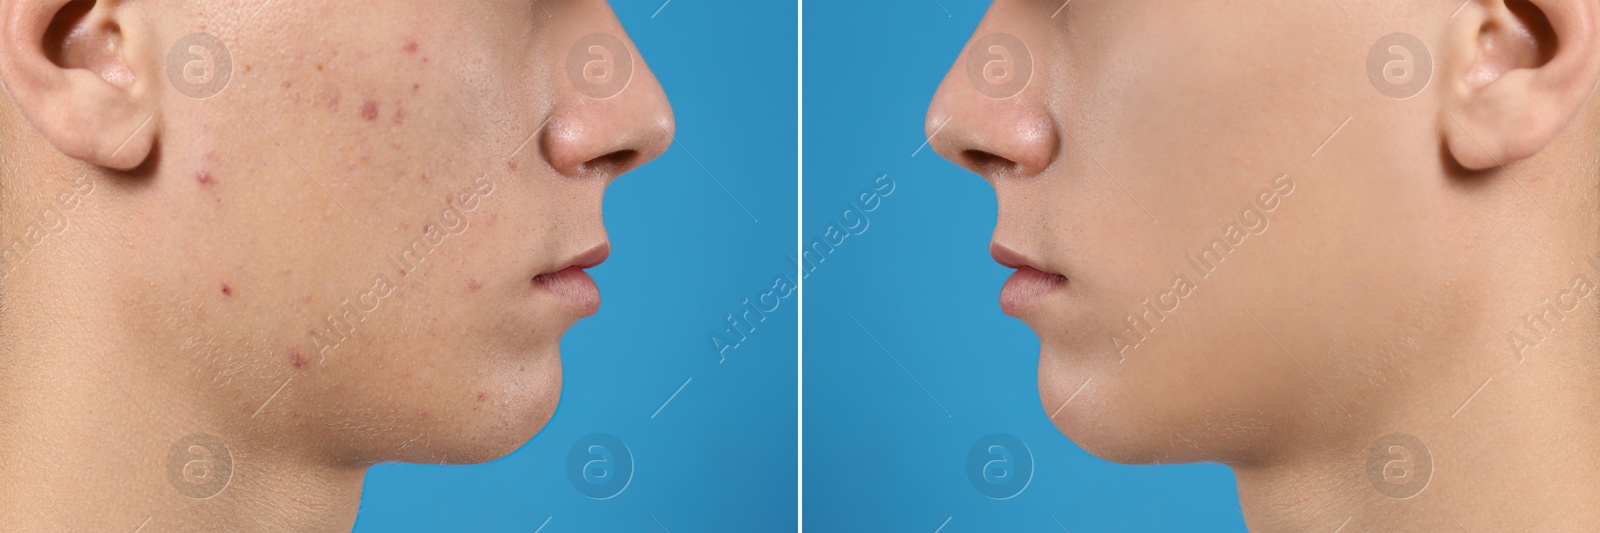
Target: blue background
x: 722, y: 455
x: 880, y: 454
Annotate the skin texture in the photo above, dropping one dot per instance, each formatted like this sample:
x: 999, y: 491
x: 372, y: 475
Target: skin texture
x: 1384, y: 256
x: 186, y: 283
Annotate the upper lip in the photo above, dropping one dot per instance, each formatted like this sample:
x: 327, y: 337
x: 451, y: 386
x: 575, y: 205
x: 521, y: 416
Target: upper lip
x: 592, y: 256
x: 1013, y: 259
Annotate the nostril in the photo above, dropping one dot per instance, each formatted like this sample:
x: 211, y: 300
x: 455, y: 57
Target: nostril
x: 613, y: 163
x: 987, y: 164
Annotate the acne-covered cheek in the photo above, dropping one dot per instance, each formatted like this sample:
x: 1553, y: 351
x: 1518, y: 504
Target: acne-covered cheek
x: 363, y: 89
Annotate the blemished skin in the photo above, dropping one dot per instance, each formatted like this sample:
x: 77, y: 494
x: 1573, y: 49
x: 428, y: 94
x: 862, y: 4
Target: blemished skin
x: 245, y: 265
x: 1421, y: 266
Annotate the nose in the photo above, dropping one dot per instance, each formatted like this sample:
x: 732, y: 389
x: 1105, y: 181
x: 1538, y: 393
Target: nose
x: 990, y: 113
x: 611, y: 115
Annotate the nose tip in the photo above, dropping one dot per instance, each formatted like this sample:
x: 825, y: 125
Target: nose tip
x: 991, y: 136
x: 614, y: 115
x: 992, y: 139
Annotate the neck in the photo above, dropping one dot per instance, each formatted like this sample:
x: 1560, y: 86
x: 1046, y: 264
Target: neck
x: 1525, y: 464
x: 88, y: 417
x: 1501, y: 442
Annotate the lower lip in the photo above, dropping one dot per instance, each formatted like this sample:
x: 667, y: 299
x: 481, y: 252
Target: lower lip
x: 575, y: 286
x: 1025, y: 286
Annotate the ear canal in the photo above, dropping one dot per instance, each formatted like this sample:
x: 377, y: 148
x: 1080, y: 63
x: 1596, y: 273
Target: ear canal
x: 1522, y: 39
x: 78, y: 40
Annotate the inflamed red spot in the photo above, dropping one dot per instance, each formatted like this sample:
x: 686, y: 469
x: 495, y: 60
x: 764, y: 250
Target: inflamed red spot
x: 204, y: 177
x: 369, y: 110
x: 226, y: 290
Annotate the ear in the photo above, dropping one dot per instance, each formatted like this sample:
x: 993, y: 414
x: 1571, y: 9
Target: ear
x: 1523, y: 70
x: 66, y: 65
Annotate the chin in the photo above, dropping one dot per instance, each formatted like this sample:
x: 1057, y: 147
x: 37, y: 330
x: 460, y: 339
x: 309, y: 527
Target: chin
x: 1106, y: 439
x: 1111, y: 422
x: 1091, y: 425
x: 519, y: 400
x: 529, y: 395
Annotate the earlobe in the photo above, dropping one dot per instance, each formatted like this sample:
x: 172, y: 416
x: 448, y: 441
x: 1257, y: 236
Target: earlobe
x: 72, y: 67
x: 1519, y: 73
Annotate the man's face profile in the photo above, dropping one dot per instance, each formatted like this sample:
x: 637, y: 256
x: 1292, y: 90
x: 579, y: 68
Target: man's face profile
x: 1287, y: 236
x: 298, y: 232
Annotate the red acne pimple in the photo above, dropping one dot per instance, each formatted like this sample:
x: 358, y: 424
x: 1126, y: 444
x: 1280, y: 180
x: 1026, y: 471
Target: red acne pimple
x: 473, y: 285
x: 481, y: 396
x: 226, y: 290
x: 410, y: 47
x: 416, y: 87
x: 427, y: 228
x: 204, y: 177
x: 296, y: 360
x: 511, y: 164
x: 369, y: 110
